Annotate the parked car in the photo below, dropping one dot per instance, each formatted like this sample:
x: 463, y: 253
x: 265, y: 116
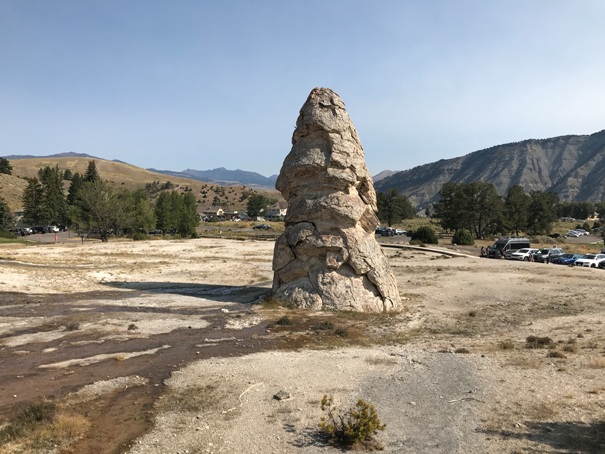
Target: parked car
x: 379, y: 230
x: 400, y: 232
x: 573, y: 234
x: 567, y: 259
x: 506, y: 246
x: 547, y: 255
x: 582, y: 231
x: 262, y: 227
x: 39, y: 229
x: 590, y: 260
x: 523, y: 254
x: 389, y: 231
x: 52, y: 229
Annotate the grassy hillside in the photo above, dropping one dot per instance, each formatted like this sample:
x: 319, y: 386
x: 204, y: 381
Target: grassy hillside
x: 122, y: 175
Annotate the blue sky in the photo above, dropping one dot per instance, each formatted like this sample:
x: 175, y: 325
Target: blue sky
x: 179, y: 84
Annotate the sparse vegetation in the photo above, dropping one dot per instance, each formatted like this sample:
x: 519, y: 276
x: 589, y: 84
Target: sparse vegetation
x: 354, y: 429
x: 537, y: 342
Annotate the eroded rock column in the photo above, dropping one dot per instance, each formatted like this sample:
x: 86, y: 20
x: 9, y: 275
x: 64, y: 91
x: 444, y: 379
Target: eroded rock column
x: 328, y: 257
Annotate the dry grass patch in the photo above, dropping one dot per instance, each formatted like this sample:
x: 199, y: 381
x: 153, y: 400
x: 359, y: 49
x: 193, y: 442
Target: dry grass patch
x: 42, y: 425
x: 596, y: 363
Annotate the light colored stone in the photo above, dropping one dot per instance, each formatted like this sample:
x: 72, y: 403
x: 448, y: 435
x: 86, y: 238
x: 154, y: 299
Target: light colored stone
x: 328, y: 258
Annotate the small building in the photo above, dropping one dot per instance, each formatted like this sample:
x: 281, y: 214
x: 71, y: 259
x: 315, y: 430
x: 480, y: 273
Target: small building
x: 277, y: 210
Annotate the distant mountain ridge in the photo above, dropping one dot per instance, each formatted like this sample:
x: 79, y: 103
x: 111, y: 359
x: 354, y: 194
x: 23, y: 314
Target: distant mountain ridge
x: 225, y: 177
x: 571, y: 166
x: 69, y: 154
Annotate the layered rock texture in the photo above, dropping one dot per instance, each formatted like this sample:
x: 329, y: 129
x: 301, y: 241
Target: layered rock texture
x: 328, y: 258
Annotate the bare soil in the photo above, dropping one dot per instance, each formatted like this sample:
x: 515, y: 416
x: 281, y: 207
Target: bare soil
x: 162, y: 347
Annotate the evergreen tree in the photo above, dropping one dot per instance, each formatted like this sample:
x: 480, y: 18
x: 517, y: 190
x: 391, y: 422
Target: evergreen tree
x: 188, y: 218
x: 33, y: 201
x: 542, y: 212
x: 139, y: 216
x: 101, y: 207
x: 7, y: 220
x: 74, y: 187
x: 258, y: 203
x: 67, y: 175
x: 5, y: 166
x: 393, y: 207
x: 91, y: 173
x: 476, y: 207
x: 516, y: 208
x: 54, y: 205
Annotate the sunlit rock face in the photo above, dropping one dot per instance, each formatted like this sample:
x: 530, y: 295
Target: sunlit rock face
x: 328, y: 257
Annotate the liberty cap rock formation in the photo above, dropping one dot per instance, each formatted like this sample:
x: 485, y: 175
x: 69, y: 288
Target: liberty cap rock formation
x: 327, y: 257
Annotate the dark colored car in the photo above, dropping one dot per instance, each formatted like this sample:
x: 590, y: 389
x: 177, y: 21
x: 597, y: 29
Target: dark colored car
x: 262, y: 227
x: 548, y: 255
x: 566, y: 259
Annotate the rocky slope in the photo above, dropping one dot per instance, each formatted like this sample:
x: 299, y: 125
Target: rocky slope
x: 571, y: 166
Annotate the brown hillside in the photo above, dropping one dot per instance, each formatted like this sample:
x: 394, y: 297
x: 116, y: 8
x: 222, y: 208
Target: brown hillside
x: 121, y: 174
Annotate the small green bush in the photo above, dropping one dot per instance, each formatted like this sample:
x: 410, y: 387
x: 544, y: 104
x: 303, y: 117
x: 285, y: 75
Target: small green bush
x: 425, y: 235
x: 355, y: 428
x: 27, y: 418
x: 463, y: 237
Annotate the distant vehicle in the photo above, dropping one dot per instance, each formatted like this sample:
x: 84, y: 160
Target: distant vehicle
x: 567, y: 259
x: 582, y: 231
x: 400, y: 232
x: 547, y: 255
x: 506, y: 246
x: 379, y: 230
x: 590, y: 260
x: 389, y: 231
x: 573, y: 234
x: 262, y: 227
x: 38, y: 229
x: 523, y: 254
x: 155, y: 232
x: 52, y: 229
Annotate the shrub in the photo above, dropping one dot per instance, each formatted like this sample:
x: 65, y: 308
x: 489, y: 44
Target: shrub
x: 353, y: 429
x: 537, y: 342
x: 27, y: 418
x: 463, y: 237
x: 324, y: 326
x: 425, y: 235
x: 283, y: 321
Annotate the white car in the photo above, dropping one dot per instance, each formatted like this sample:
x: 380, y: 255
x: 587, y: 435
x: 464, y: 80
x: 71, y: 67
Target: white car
x: 523, y: 254
x: 582, y: 231
x: 590, y: 260
x: 573, y: 233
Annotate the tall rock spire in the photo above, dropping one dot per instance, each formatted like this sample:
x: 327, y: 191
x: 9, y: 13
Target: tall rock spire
x: 328, y: 258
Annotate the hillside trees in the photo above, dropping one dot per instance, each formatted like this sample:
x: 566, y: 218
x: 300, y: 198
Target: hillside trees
x: 516, y: 207
x: 177, y: 212
x: 139, y: 215
x: 258, y: 203
x: 5, y: 166
x: 43, y: 199
x: 476, y: 207
x: 54, y: 205
x: 393, y: 207
x: 100, y: 207
x: 33, y: 195
x: 542, y: 212
x: 7, y: 220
